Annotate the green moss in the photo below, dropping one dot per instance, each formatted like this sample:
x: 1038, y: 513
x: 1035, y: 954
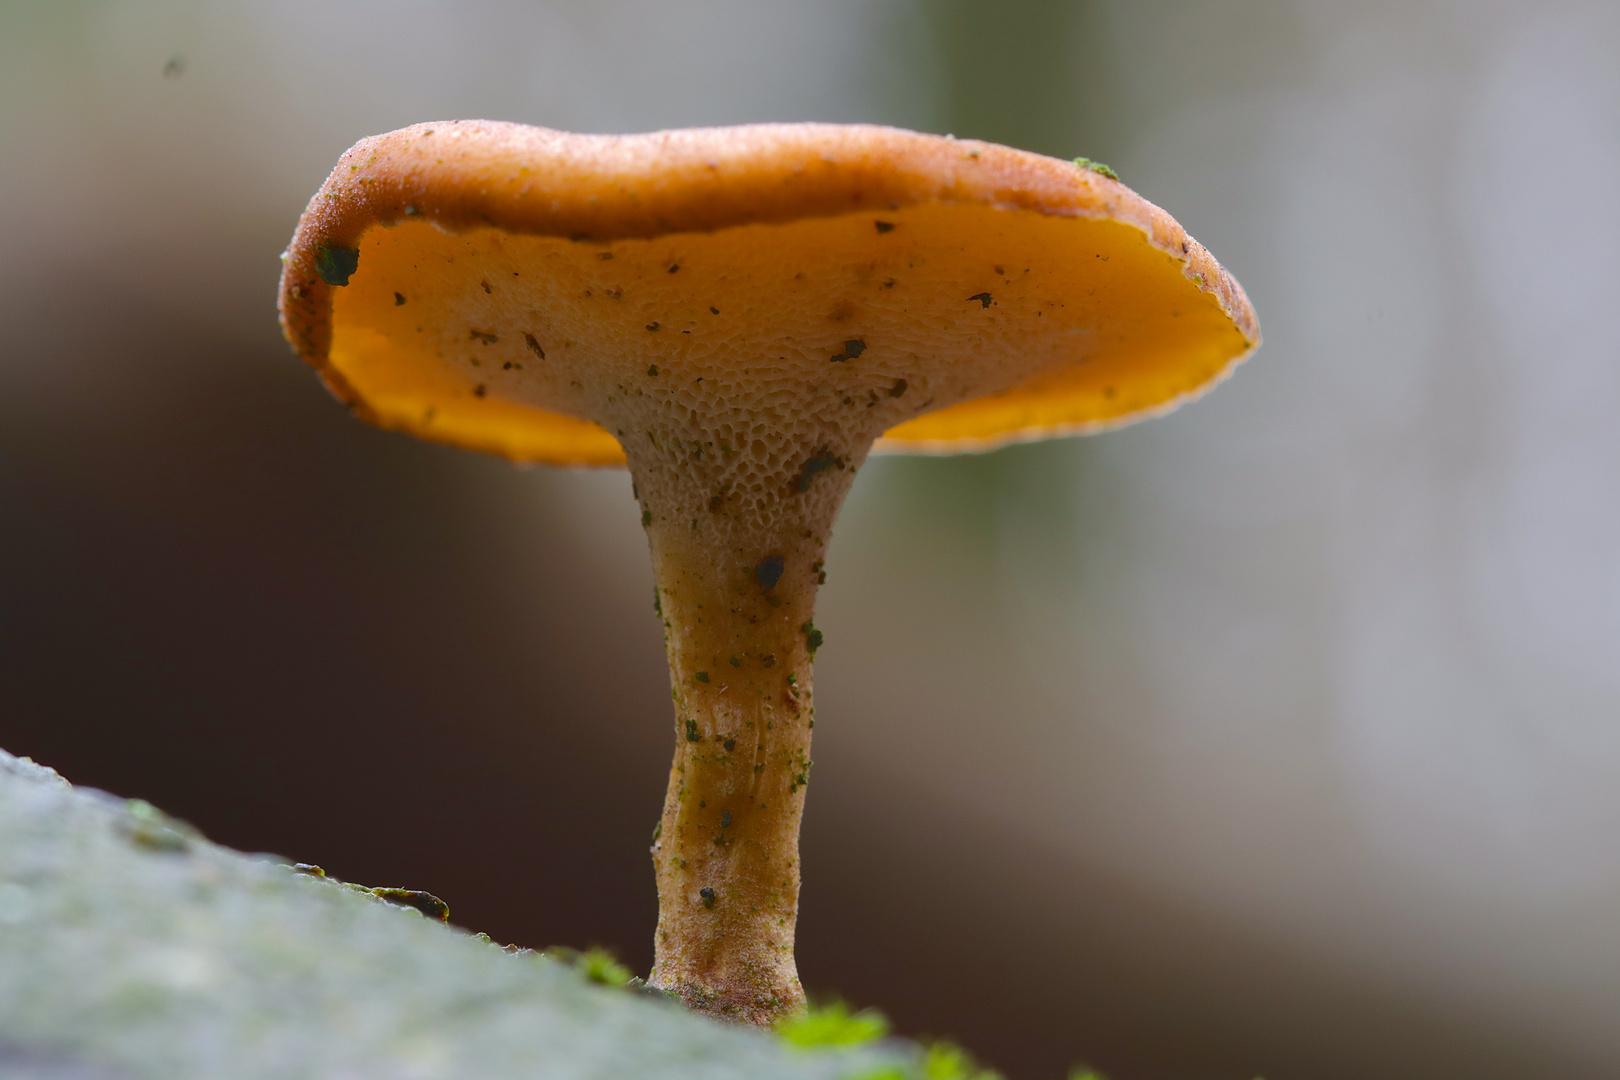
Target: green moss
x: 802, y: 777
x: 947, y: 1061
x: 941, y: 1061
x: 596, y: 964
x: 1097, y: 167
x: 702, y: 676
x: 833, y: 1024
x: 813, y: 638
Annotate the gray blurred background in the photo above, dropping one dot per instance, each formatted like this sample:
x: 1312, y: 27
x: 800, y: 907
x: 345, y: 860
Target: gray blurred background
x: 1280, y: 737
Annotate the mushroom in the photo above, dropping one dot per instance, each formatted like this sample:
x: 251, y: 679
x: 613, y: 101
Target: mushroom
x: 740, y: 315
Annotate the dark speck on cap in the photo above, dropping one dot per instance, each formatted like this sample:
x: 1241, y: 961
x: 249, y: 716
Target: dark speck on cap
x: 336, y: 265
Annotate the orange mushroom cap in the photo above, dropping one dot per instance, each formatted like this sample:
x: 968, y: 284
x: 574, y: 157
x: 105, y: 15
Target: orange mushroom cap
x: 447, y: 275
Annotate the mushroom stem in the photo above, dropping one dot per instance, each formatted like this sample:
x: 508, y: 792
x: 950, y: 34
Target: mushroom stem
x: 737, y: 544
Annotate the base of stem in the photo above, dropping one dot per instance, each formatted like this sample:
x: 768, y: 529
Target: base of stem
x: 743, y: 1004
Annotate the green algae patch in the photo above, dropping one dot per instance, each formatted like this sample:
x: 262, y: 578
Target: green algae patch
x: 1097, y: 167
x: 595, y: 964
x: 941, y: 1061
x: 833, y: 1024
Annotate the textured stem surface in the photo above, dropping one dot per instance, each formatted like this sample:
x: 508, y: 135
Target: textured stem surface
x: 737, y: 567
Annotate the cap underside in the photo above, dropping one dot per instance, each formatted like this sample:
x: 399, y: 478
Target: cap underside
x: 971, y: 325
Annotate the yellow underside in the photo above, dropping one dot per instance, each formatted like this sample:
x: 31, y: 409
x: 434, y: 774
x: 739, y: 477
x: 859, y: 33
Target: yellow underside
x: 1108, y: 328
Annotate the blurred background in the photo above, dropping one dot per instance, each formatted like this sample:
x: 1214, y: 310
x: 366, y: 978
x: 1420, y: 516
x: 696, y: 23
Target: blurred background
x: 1280, y: 737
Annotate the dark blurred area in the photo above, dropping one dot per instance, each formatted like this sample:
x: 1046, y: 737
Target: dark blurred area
x: 1277, y: 738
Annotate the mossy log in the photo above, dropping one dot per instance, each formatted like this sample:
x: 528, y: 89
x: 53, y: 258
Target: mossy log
x: 133, y: 948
